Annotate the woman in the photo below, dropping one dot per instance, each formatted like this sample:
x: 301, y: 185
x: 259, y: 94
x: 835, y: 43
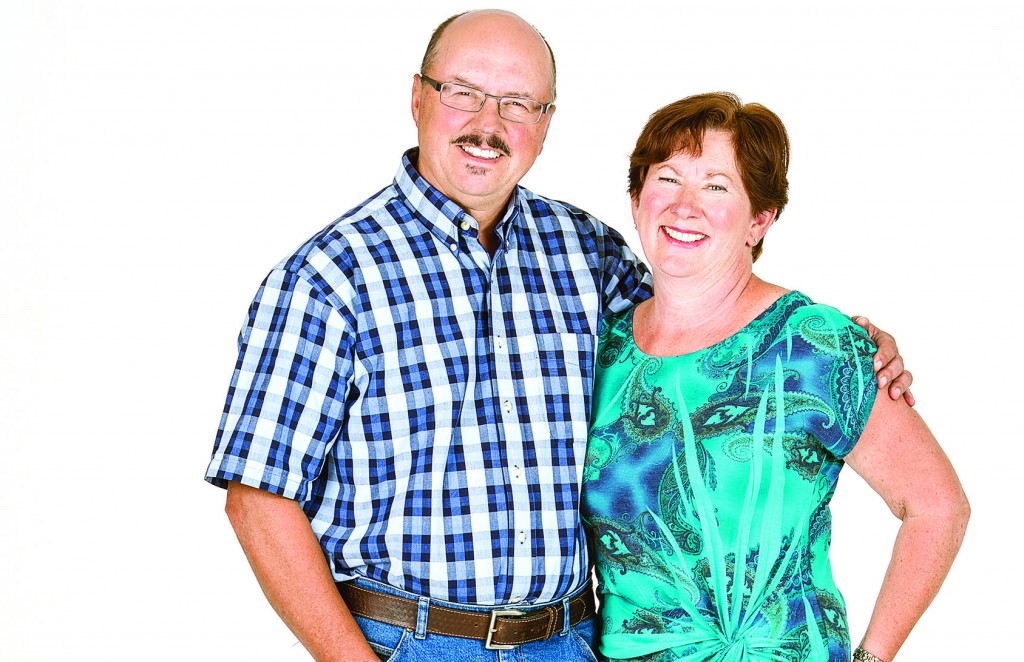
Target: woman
x: 724, y: 409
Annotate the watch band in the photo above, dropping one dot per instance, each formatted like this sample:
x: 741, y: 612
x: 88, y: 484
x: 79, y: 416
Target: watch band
x: 863, y: 656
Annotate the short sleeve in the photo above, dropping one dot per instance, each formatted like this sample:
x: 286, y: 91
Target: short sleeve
x: 838, y: 373
x: 852, y: 383
x: 627, y: 281
x: 286, y: 398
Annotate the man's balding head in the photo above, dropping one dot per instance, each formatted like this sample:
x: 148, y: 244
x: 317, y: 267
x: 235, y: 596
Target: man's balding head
x: 432, y: 47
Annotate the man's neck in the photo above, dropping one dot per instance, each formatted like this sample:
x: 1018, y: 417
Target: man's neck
x: 487, y: 222
x: 489, y: 239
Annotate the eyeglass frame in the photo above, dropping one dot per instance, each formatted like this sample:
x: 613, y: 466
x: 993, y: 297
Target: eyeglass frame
x: 437, y: 85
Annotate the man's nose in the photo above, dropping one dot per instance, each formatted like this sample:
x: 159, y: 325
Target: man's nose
x: 488, y: 118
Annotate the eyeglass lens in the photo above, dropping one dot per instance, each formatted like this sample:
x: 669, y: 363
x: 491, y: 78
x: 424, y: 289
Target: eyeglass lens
x: 470, y: 99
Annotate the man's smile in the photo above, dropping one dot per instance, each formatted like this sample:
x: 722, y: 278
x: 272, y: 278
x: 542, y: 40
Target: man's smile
x: 479, y: 152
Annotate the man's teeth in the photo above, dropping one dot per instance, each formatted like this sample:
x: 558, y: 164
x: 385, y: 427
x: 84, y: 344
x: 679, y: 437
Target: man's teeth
x: 684, y: 236
x: 481, y: 153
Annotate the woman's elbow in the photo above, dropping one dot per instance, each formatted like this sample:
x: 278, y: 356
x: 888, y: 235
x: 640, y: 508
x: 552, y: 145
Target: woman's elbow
x: 954, y: 511
x: 962, y: 512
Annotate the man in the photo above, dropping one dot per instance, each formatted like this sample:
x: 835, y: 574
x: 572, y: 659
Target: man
x: 403, y: 434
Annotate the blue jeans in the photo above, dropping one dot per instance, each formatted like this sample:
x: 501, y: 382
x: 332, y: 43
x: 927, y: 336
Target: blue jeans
x: 396, y: 644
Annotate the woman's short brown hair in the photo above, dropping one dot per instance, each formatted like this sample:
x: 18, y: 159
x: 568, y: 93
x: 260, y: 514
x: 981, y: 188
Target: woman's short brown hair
x: 759, y: 137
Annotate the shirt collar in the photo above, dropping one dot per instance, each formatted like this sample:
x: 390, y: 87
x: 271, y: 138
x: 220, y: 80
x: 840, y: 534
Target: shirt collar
x: 444, y: 216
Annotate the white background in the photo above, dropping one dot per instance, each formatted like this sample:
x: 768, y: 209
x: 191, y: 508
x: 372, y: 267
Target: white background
x: 157, y: 158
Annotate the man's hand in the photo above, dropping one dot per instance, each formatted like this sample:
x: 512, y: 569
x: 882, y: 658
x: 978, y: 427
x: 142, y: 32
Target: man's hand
x: 888, y: 362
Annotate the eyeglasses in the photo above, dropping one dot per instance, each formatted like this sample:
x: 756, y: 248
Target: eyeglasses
x: 471, y: 100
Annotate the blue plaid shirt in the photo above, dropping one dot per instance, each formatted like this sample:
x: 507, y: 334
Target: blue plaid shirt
x: 427, y: 404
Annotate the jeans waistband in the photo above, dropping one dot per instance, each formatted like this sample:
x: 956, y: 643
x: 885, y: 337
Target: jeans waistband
x: 499, y: 627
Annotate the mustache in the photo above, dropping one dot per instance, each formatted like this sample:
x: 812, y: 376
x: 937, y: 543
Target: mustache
x: 492, y: 141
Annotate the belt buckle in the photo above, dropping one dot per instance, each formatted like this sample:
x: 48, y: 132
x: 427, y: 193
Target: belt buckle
x: 491, y: 628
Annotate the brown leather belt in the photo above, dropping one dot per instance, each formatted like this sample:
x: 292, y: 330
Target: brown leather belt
x: 499, y: 629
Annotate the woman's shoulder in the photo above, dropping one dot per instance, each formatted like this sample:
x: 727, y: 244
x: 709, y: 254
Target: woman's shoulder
x: 829, y: 333
x: 802, y: 309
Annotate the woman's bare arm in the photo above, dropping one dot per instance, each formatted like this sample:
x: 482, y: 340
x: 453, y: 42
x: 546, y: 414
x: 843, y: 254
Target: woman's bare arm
x: 900, y: 459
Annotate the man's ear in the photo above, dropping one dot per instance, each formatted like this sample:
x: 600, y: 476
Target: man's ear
x: 417, y: 91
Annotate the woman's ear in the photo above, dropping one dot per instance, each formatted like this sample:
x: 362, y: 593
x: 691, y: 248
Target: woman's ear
x: 759, y: 226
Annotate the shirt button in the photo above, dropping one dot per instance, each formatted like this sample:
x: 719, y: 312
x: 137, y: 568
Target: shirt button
x: 515, y: 471
x: 454, y: 247
x: 508, y: 407
x: 516, y: 598
x: 522, y: 536
x: 501, y: 343
x: 464, y: 225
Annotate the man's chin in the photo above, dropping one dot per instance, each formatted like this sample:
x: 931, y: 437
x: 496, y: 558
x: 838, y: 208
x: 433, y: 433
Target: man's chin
x: 482, y: 180
x: 479, y: 170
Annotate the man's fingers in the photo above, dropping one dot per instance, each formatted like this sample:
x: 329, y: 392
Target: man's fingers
x: 891, y: 374
x: 888, y: 363
x: 864, y: 323
x: 901, y: 385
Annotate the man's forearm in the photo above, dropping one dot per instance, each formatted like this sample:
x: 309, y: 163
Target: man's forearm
x: 290, y: 567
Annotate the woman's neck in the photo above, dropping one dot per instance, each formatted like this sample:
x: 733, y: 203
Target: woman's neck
x: 689, y: 314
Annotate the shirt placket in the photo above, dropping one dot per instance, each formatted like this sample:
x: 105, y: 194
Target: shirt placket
x: 510, y: 392
x: 500, y: 430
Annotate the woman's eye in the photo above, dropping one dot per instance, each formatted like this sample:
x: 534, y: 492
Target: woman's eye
x: 669, y: 180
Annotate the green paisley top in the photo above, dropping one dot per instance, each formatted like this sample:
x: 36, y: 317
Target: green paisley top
x: 707, y: 509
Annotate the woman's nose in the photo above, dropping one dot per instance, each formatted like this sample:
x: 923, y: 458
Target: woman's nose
x: 686, y: 201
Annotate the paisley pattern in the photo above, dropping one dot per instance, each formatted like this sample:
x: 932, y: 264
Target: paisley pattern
x: 707, y: 483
